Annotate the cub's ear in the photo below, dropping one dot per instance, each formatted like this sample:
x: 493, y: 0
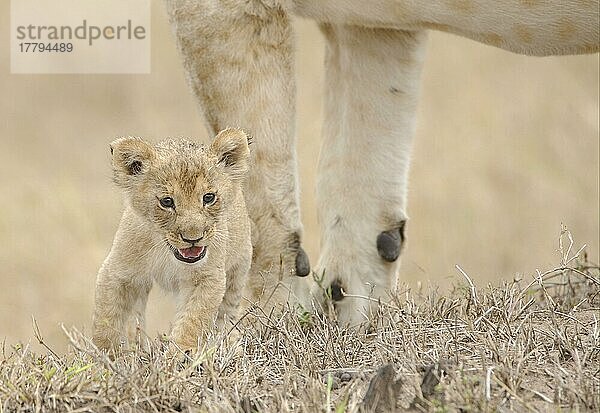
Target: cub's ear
x: 130, y: 157
x: 232, y: 151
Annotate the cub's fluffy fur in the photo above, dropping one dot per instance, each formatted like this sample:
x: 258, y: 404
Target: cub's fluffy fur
x: 185, y: 226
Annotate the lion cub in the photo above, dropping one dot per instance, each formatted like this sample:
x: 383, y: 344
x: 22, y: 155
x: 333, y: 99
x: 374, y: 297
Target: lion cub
x: 185, y: 226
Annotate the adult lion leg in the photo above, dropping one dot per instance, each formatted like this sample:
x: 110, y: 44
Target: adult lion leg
x: 372, y: 78
x: 238, y: 57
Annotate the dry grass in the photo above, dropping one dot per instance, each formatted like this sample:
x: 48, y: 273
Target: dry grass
x: 524, y: 345
x: 506, y: 150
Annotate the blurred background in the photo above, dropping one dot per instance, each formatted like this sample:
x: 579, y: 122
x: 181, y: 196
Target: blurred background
x: 506, y: 151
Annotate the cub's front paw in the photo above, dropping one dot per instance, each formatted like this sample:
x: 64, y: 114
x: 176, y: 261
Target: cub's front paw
x: 110, y: 343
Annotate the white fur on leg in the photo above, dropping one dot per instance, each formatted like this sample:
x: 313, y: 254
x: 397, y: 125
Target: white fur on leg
x: 371, y: 97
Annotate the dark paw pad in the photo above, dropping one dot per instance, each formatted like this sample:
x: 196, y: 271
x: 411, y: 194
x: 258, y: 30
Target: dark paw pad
x: 389, y: 243
x: 302, y: 263
x: 337, y: 291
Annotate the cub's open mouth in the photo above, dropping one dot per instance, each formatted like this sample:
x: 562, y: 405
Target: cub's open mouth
x: 190, y: 255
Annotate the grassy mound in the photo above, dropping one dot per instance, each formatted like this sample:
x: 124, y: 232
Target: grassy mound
x: 525, y: 345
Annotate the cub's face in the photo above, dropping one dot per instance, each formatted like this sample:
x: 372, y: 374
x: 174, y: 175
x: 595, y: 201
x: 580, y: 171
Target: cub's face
x: 182, y: 189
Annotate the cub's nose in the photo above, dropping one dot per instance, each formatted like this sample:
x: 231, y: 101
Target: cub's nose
x: 191, y: 241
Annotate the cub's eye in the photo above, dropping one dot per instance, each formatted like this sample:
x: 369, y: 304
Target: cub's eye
x: 167, y: 202
x: 209, y: 198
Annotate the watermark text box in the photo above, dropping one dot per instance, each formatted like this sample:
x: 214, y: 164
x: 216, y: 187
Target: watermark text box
x: 80, y: 36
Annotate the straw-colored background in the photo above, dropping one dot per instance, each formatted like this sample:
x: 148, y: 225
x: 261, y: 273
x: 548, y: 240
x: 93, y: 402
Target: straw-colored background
x: 506, y: 151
